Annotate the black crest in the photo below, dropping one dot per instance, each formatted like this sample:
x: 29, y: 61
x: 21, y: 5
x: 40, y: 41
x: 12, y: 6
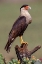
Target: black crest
x: 23, y: 6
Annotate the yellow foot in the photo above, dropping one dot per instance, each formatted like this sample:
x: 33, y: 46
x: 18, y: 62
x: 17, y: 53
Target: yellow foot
x: 24, y: 42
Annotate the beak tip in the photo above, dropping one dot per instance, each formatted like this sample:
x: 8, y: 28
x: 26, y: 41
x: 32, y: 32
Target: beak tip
x: 29, y: 7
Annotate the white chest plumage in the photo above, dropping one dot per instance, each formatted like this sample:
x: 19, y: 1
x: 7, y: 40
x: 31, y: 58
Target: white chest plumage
x: 27, y: 15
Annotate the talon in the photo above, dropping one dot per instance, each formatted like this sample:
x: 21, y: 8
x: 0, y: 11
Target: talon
x: 23, y: 41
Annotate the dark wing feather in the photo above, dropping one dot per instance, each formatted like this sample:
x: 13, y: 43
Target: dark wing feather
x: 18, y: 26
x: 17, y: 30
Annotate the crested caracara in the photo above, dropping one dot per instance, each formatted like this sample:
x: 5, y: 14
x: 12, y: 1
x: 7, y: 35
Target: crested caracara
x: 19, y: 26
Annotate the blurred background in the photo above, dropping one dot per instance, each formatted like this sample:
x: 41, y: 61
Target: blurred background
x: 9, y: 12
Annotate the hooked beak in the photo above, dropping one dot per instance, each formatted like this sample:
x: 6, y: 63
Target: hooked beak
x: 29, y: 7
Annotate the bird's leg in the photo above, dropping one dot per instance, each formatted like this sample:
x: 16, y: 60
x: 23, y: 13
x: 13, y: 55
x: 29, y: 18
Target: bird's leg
x: 21, y: 39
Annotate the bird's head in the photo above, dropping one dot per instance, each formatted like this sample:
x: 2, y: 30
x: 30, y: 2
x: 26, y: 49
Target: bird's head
x: 25, y: 7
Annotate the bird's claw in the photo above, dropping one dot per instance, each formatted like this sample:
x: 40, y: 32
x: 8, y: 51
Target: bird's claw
x: 24, y: 42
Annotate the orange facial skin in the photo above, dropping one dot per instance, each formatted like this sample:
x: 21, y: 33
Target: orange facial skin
x: 26, y: 8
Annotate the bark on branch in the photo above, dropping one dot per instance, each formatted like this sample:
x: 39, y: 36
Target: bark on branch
x: 23, y: 51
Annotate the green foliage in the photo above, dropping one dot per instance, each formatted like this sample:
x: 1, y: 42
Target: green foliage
x: 10, y: 62
x: 24, y: 61
x: 1, y: 59
x: 14, y: 61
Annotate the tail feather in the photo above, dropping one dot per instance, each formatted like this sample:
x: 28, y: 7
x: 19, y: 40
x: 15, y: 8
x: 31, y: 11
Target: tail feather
x: 8, y: 45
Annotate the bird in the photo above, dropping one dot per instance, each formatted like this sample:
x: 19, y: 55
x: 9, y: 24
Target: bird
x: 19, y: 26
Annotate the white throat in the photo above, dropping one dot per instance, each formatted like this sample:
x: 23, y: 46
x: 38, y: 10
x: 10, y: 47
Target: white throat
x: 25, y: 13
